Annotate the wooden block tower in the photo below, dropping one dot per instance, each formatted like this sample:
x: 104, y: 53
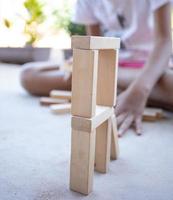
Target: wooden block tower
x: 94, y: 84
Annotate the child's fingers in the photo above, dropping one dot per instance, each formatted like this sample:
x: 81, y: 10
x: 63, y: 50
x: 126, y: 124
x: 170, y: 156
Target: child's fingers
x: 125, y: 125
x: 121, y: 118
x: 138, y: 126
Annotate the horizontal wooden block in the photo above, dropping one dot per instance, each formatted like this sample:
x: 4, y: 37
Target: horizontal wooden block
x: 95, y: 42
x: 47, y: 101
x: 61, y: 94
x: 61, y: 108
x: 89, y: 124
x: 152, y: 114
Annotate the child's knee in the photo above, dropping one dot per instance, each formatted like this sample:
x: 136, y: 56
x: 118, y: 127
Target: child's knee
x: 27, y: 76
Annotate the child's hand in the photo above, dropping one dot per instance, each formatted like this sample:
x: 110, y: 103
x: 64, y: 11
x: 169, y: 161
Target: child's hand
x: 129, y: 110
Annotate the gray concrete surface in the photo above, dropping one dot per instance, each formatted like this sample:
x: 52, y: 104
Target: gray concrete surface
x: 35, y: 151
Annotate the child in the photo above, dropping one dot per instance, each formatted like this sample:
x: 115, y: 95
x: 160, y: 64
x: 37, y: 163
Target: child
x: 145, y: 30
x: 144, y: 27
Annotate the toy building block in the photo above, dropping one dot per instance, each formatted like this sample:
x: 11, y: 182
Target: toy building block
x: 103, y: 146
x: 93, y: 97
x: 82, y: 161
x: 114, y: 139
x: 61, y: 94
x: 60, y: 108
x: 106, y: 85
x: 152, y: 114
x: 84, y: 82
x: 95, y: 42
x: 89, y: 124
x: 47, y: 101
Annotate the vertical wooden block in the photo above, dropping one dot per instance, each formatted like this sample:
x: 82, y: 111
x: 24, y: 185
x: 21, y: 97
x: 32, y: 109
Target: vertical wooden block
x: 84, y: 82
x: 114, y: 139
x: 103, y: 146
x: 82, y: 161
x: 107, y: 77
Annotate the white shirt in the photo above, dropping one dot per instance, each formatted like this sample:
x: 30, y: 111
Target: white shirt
x: 136, y: 31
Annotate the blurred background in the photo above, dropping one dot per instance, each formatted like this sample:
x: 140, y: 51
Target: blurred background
x: 36, y: 26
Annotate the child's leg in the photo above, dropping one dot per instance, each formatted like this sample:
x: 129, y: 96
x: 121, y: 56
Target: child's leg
x: 162, y: 94
x: 40, y: 78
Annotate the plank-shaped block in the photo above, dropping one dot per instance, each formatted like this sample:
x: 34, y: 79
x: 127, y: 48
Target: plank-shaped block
x: 61, y: 94
x: 114, y: 139
x: 152, y: 114
x: 47, y: 101
x: 84, y: 82
x: 95, y: 42
x: 60, y: 108
x: 82, y: 161
x: 103, y: 146
x: 89, y: 124
x: 107, y: 77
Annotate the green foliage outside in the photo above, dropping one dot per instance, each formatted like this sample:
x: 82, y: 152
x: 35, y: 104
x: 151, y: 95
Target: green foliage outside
x: 62, y: 20
x: 36, y: 17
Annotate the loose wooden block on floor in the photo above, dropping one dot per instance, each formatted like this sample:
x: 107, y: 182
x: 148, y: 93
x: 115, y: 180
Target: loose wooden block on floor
x: 152, y: 114
x: 82, y: 161
x: 61, y: 94
x: 95, y: 42
x: 47, y: 101
x: 84, y: 82
x: 60, y: 108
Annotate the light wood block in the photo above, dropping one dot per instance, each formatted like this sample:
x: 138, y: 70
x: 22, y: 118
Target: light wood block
x: 61, y: 94
x: 107, y: 73
x: 47, y: 101
x: 82, y: 161
x: 152, y: 114
x: 60, y: 108
x: 84, y: 82
x: 89, y: 124
x: 114, y: 139
x: 95, y: 42
x: 103, y: 146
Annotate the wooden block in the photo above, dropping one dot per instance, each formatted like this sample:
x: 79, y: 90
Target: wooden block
x: 60, y: 108
x: 84, y: 82
x: 103, y: 146
x: 47, y: 101
x: 95, y: 42
x: 61, y: 94
x: 114, y: 139
x: 152, y: 114
x: 89, y: 124
x: 107, y: 77
x: 82, y: 161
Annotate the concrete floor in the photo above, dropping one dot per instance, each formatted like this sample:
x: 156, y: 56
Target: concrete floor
x: 35, y: 151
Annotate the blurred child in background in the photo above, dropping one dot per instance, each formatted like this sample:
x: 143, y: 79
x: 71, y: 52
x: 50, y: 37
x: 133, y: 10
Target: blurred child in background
x: 144, y: 27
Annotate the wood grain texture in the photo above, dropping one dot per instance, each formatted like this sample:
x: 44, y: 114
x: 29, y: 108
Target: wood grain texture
x: 82, y: 161
x: 84, y: 82
x: 103, y: 146
x: 89, y: 124
x: 107, y: 81
x: 95, y: 42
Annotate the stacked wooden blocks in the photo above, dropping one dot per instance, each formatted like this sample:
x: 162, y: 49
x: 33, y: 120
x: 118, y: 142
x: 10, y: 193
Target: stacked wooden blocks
x: 94, y: 85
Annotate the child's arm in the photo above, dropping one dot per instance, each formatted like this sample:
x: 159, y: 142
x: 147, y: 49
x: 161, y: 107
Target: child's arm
x: 131, y: 103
